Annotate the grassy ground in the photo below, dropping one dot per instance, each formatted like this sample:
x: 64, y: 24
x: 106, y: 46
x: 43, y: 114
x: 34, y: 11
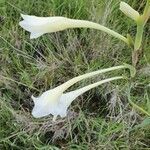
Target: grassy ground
x: 100, y: 119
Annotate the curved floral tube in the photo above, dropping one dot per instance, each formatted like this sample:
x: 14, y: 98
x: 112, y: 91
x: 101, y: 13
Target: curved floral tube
x: 41, y: 25
x: 56, y: 102
x: 45, y: 104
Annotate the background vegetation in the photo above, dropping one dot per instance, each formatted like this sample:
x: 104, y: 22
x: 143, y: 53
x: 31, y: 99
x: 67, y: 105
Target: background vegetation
x: 100, y: 119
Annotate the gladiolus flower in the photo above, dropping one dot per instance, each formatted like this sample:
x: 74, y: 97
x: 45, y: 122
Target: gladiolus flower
x: 41, y: 25
x: 56, y: 102
x: 129, y: 11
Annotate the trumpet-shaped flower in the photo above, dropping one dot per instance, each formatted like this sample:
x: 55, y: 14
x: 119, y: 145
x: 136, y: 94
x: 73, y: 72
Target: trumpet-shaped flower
x: 56, y: 102
x: 129, y: 11
x: 41, y: 25
x: 45, y: 104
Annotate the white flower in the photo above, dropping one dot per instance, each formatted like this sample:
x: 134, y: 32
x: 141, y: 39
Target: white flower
x: 41, y: 25
x: 56, y: 102
x: 129, y: 11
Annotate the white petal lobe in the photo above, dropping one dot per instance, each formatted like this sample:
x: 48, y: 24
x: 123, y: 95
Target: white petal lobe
x: 35, y: 35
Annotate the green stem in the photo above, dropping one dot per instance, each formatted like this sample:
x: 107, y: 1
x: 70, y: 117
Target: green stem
x: 139, y: 35
x: 146, y: 13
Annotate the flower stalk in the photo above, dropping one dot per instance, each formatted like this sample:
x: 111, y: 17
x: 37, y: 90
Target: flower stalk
x: 146, y: 13
x: 142, y: 20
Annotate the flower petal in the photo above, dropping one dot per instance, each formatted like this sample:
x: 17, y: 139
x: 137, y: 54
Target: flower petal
x: 35, y: 35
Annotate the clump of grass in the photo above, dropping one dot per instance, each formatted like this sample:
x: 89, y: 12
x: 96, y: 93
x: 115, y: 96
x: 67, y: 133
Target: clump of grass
x: 101, y: 118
